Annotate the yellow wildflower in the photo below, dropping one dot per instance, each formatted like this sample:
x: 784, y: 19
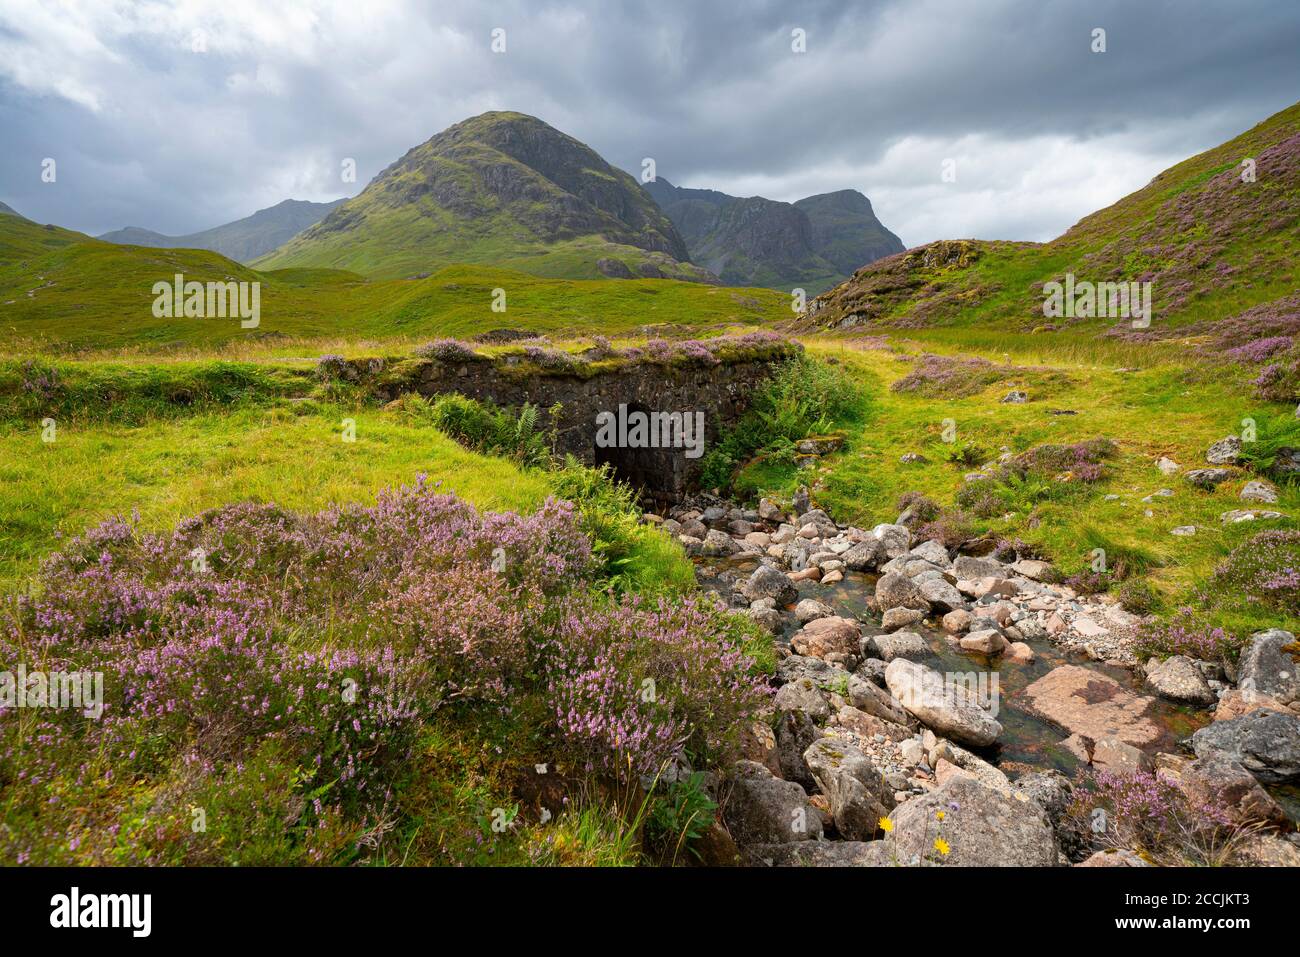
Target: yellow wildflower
x: 941, y: 846
x: 939, y: 815
x: 886, y: 825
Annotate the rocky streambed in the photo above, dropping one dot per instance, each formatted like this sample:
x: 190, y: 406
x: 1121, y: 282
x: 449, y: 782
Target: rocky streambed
x: 955, y: 696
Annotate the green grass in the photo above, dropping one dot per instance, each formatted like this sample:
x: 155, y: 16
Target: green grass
x: 64, y: 292
x: 1162, y: 410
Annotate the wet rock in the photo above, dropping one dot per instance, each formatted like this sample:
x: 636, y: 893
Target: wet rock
x: 826, y: 636
x: 896, y: 618
x: 1178, y: 679
x: 718, y: 545
x: 982, y: 827
x: 1019, y: 652
x: 769, y: 582
x: 1271, y: 666
x: 941, y: 596
x: 762, y: 809
x: 864, y: 556
x: 898, y: 591
x: 1226, y: 451
x: 940, y: 705
x: 1089, y: 703
x: 986, y: 641
x: 957, y: 621
x: 900, y: 644
x: 1265, y: 743
x: 810, y: 609
x: 858, y: 795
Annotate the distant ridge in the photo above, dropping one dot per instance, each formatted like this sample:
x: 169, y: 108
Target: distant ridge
x: 242, y: 240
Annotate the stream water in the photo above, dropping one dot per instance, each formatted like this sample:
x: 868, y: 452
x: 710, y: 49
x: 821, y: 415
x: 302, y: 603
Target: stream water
x: 1027, y: 742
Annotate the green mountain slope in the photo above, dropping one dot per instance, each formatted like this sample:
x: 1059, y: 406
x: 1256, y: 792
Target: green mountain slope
x: 503, y: 189
x: 1210, y: 243
x: 812, y: 244
x: 64, y: 291
x: 244, y: 239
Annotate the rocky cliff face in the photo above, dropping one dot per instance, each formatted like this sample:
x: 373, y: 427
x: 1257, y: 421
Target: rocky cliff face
x: 813, y: 244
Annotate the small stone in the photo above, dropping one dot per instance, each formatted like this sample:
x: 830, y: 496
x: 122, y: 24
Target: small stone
x: 1183, y: 530
x: 1167, y: 466
x: 1256, y: 491
x: 1225, y: 451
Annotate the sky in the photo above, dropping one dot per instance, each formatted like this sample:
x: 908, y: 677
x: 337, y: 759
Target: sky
x: 182, y: 115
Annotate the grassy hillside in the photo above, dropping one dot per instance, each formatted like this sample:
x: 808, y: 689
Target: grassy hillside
x: 1210, y: 244
x: 503, y: 189
x: 61, y: 290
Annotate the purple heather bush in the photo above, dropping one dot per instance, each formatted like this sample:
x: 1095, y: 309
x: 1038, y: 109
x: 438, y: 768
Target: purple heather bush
x: 448, y: 350
x: 1264, y: 569
x: 948, y: 376
x: 311, y: 648
x: 1150, y: 815
x: 1186, y: 633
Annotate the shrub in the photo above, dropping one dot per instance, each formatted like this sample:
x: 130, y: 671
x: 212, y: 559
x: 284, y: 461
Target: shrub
x: 1185, y: 634
x: 493, y: 430
x: 935, y: 376
x: 1138, y: 597
x: 1264, y: 569
x: 1149, y: 815
x: 449, y: 350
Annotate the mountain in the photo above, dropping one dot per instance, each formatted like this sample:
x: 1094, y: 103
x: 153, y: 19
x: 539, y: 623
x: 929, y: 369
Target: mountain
x: 244, y: 239
x: 812, y: 244
x: 503, y: 189
x: 10, y: 211
x: 1215, y: 235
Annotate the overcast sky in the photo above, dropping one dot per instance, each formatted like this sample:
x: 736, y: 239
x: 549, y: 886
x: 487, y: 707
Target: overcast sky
x: 177, y: 116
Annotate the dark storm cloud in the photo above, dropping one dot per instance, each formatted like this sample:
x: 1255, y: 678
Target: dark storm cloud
x: 148, y: 131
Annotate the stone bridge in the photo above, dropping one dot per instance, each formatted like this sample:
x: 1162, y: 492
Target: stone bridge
x: 721, y: 392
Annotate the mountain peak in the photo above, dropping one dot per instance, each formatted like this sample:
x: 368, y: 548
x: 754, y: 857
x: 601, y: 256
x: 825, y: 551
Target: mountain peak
x: 504, y: 188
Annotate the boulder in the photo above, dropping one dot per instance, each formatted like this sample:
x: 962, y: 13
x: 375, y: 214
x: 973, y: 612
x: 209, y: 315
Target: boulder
x: 941, y: 596
x: 804, y: 695
x: 1220, y: 781
x: 874, y: 700
x: 858, y: 794
x: 827, y: 636
x: 1114, y: 857
x: 810, y: 609
x: 864, y: 556
x: 955, y: 622
x: 762, y: 809
x: 986, y: 641
x: 1271, y: 666
x: 868, y: 725
x: 896, y: 618
x: 900, y: 644
x: 973, y: 569
x: 769, y: 582
x: 1209, y: 478
x: 1265, y: 743
x: 817, y: 854
x: 795, y: 732
x: 1226, y: 451
x: 934, y: 553
x: 946, y: 707
x: 897, y: 539
x: 1256, y: 491
x: 1089, y: 703
x: 1178, y: 679
x: 718, y: 545
x: 898, y: 591
x: 1236, y: 702
x: 981, y: 827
